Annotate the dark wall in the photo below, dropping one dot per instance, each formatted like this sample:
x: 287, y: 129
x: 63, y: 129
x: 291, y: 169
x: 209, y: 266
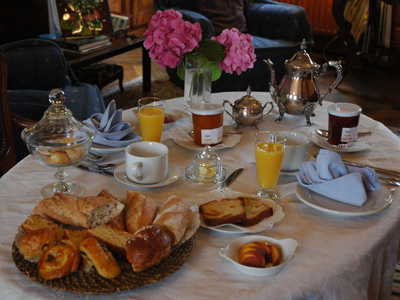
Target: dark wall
x: 22, y: 19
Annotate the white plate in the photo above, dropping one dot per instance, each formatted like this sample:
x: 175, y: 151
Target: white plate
x: 363, y: 143
x: 181, y: 137
x: 376, y: 201
x: 105, y: 150
x: 225, y: 193
x: 288, y: 172
x: 173, y: 175
x: 174, y: 114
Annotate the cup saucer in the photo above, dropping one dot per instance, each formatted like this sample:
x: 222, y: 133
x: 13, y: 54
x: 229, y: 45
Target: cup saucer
x: 173, y: 175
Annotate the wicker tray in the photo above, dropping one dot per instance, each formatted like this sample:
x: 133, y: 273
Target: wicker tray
x: 93, y: 283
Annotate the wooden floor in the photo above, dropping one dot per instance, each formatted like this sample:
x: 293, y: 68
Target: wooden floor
x: 376, y: 89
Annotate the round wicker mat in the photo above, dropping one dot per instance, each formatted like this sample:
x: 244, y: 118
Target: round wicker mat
x: 93, y: 283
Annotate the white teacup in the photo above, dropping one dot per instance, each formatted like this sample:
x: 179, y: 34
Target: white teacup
x: 296, y: 150
x: 146, y: 162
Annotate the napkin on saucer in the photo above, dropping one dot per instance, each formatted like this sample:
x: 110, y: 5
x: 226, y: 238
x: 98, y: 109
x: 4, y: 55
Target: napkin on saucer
x: 110, y: 130
x: 331, y: 178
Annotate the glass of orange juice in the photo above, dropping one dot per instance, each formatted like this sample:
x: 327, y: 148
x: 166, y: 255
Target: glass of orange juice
x: 269, y: 149
x: 151, y: 118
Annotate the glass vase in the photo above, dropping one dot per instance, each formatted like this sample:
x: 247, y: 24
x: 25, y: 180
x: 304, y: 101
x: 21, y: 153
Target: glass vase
x: 197, y: 84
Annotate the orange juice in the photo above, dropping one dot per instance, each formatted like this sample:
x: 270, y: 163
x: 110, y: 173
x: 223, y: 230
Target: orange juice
x: 269, y: 158
x: 151, y: 123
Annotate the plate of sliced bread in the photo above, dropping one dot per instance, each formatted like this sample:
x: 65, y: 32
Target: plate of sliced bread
x: 233, y: 212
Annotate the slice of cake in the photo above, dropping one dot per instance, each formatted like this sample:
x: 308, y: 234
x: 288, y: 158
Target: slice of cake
x: 255, y: 211
x: 114, y: 239
x: 223, y: 211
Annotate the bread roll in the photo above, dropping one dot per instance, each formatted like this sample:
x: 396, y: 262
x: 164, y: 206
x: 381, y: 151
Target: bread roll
x: 174, y: 217
x: 32, y: 243
x: 147, y: 247
x: 140, y: 211
x: 102, y: 259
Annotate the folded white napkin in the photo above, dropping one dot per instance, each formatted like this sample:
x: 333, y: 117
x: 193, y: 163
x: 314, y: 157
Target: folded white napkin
x: 110, y: 130
x: 331, y: 178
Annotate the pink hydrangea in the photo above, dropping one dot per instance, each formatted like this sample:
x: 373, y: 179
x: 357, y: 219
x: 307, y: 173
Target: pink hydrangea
x: 169, y: 37
x: 239, y: 51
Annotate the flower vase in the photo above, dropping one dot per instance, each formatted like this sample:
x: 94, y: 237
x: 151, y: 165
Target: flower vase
x: 197, y: 84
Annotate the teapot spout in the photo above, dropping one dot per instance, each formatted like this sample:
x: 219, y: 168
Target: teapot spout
x: 272, y: 85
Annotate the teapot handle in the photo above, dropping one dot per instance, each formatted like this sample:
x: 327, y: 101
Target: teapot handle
x: 272, y: 107
x: 237, y: 121
x: 339, y: 76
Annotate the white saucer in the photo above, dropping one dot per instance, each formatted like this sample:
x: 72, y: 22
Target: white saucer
x: 105, y: 150
x: 363, y: 143
x: 173, y: 175
x: 376, y: 201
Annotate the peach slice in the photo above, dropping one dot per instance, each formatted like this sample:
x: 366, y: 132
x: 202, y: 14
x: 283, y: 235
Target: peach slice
x: 264, y: 246
x: 275, y: 255
x: 253, y: 259
x: 252, y: 246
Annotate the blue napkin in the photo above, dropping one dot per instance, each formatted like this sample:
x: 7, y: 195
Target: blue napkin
x: 331, y: 178
x: 110, y: 130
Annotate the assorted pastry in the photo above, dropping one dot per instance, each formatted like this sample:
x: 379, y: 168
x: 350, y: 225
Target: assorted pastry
x: 241, y: 211
x: 63, y: 156
x: 70, y: 233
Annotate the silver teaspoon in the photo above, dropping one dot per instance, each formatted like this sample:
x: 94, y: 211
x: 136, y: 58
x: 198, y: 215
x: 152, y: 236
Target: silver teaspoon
x: 325, y: 133
x: 101, y: 167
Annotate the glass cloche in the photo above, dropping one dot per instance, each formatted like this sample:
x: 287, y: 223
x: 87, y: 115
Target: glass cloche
x: 59, y: 140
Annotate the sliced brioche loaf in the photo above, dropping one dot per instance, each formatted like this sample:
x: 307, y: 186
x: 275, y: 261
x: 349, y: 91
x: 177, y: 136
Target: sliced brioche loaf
x: 119, y: 220
x: 76, y: 236
x: 114, y: 239
x: 223, y: 211
x: 255, y: 211
x: 35, y: 222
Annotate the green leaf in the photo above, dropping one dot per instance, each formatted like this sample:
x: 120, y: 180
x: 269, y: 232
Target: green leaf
x: 216, y: 71
x: 211, y: 50
x: 181, y: 70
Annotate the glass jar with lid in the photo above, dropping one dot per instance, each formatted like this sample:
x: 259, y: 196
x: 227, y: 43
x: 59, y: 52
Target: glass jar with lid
x: 207, y: 123
x: 206, y: 168
x: 59, y: 140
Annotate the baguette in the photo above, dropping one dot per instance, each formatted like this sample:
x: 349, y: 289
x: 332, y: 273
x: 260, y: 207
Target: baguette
x: 174, y: 217
x: 140, y: 211
x: 147, y: 247
x: 84, y: 212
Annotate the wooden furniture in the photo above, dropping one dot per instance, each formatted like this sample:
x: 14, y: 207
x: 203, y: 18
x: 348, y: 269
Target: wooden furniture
x: 7, y: 122
x: 141, y: 11
x: 119, y: 46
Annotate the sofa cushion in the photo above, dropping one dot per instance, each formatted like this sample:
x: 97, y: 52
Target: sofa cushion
x: 224, y: 14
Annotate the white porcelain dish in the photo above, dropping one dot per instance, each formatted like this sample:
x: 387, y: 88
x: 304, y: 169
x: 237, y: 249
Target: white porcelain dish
x: 176, y: 115
x: 227, y: 193
x: 105, y: 150
x: 173, y: 175
x: 286, y: 248
x: 376, y: 201
x: 363, y: 143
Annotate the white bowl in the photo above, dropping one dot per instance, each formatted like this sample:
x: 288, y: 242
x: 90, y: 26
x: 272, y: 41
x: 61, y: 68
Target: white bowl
x: 286, y: 248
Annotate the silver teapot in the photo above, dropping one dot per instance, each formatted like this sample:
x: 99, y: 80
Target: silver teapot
x: 248, y: 111
x: 298, y: 91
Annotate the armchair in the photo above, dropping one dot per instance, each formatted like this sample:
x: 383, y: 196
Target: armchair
x: 35, y: 67
x: 277, y: 30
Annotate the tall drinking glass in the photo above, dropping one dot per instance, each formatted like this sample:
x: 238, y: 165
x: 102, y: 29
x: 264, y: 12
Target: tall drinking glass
x: 151, y: 118
x: 269, y: 149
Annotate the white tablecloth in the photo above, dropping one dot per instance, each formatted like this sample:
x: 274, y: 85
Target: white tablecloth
x: 337, y: 257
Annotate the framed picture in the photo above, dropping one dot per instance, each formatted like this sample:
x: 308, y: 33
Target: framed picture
x: 119, y: 20
x: 83, y: 18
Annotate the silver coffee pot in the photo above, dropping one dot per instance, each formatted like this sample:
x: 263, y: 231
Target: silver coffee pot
x: 248, y: 111
x: 298, y: 92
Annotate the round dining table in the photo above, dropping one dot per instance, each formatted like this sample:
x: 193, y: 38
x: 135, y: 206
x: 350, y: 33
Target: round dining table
x: 339, y: 255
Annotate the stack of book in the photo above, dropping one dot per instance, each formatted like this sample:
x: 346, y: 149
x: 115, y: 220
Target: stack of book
x: 83, y: 46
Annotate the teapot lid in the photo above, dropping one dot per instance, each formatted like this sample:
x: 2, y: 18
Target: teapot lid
x: 248, y: 101
x: 301, y: 60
